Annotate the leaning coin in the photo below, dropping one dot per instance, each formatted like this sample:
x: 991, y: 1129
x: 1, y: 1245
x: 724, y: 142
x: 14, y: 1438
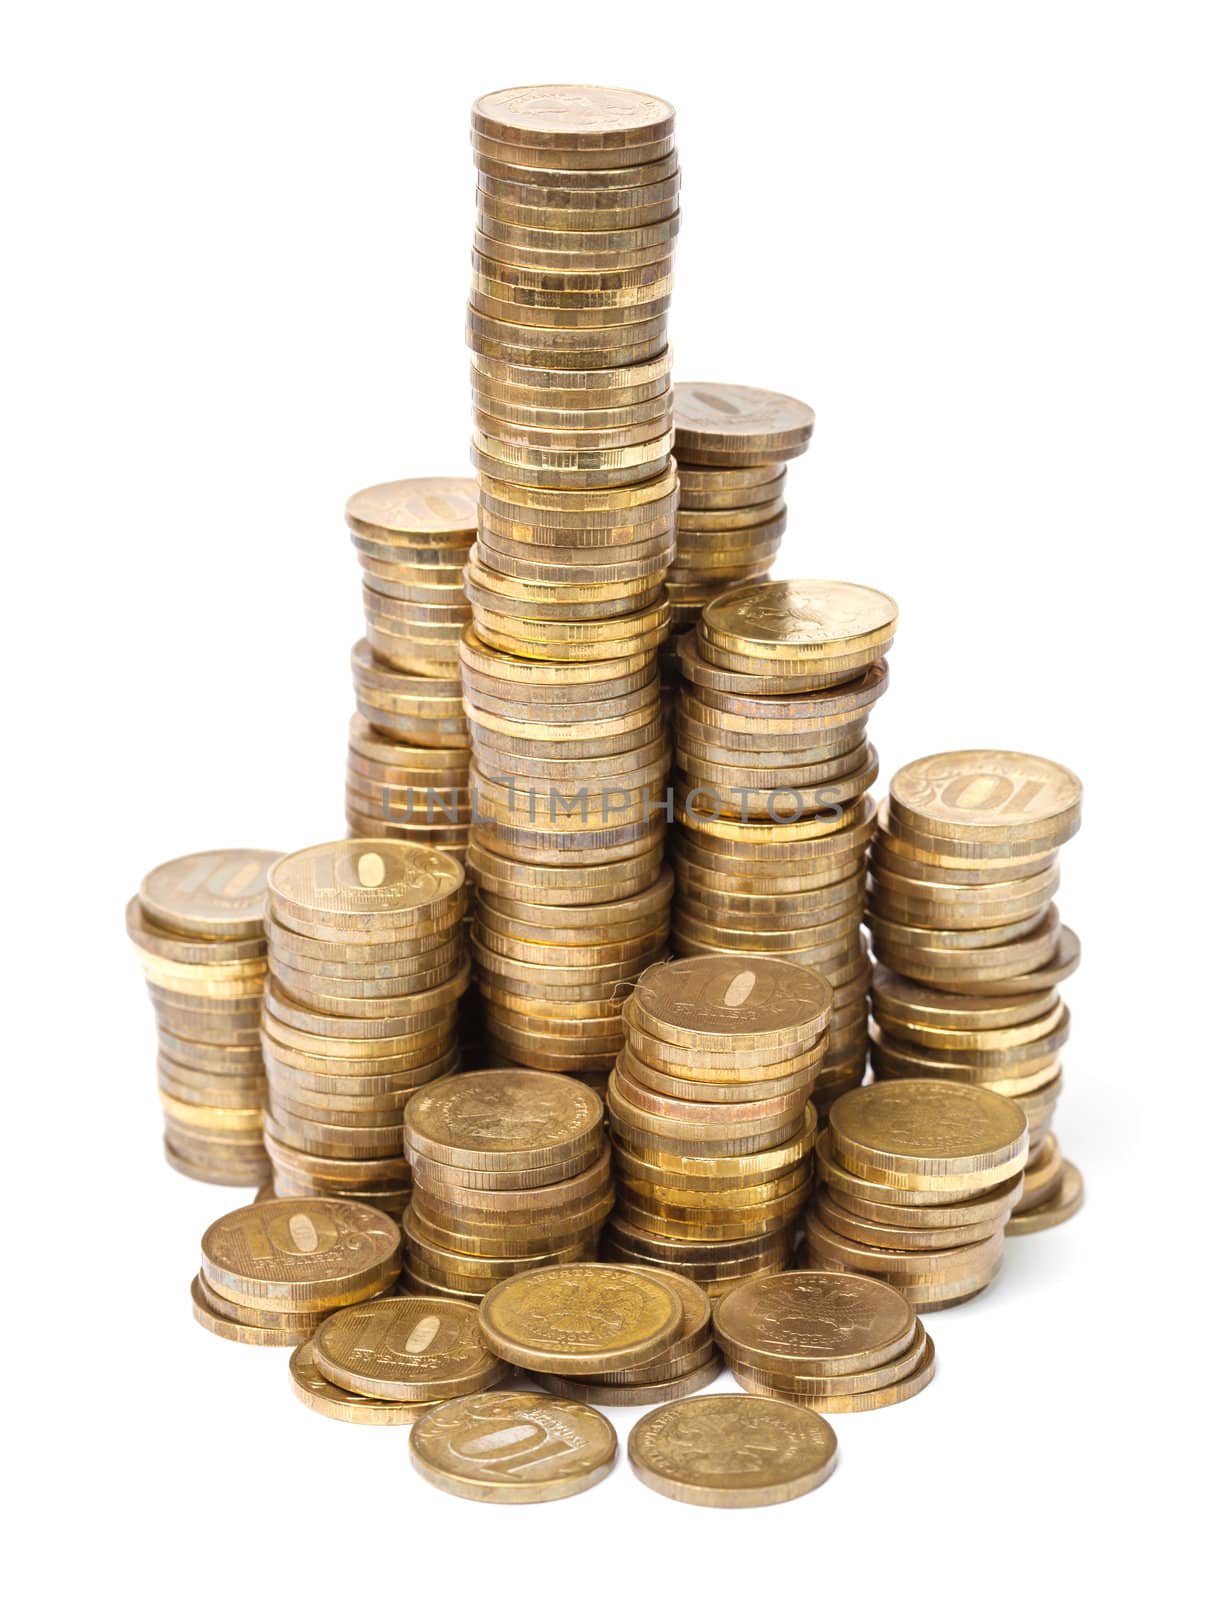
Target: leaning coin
x: 514, y: 1448
x: 409, y: 1348
x: 319, y: 1394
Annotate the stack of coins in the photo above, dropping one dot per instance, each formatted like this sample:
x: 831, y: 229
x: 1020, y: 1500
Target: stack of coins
x: 731, y: 446
x: 917, y: 1179
x: 272, y: 1271
x: 197, y: 925
x: 511, y: 1171
x: 408, y: 757
x: 577, y: 218
x: 963, y: 872
x: 604, y: 1334
x: 390, y: 1361
x: 772, y: 768
x: 367, y: 965
x: 834, y: 1341
x: 710, y: 1115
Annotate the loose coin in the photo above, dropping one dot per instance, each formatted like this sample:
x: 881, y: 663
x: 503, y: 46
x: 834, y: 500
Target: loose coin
x: 513, y: 1448
x: 406, y: 1348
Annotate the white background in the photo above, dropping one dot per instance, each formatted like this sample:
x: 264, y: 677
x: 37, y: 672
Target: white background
x: 975, y: 239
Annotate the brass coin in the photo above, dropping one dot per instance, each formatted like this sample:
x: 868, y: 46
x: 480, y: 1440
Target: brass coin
x: 1050, y: 1213
x: 725, y: 1002
x: 867, y: 1400
x: 726, y: 1450
x: 801, y: 621
x: 354, y: 887
x: 504, y: 1120
x: 319, y: 1394
x: 580, y: 1319
x: 572, y: 117
x: 300, y: 1255
x: 406, y: 1348
x: 823, y: 1324
x: 216, y: 894
x: 634, y: 1392
x: 238, y: 1332
x: 513, y: 1448
x: 994, y: 796
x: 423, y: 511
x: 725, y: 420
x: 907, y: 1206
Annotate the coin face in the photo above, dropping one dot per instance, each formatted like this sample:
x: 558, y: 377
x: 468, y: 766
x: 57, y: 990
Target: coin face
x: 319, y: 1394
x: 921, y: 1120
x: 514, y: 1448
x: 220, y: 894
x: 551, y: 113
x: 801, y: 615
x: 420, y: 506
x: 411, y: 1347
x: 989, y: 794
x: 724, y: 1450
x: 732, y: 413
x: 733, y: 996
x: 299, y: 1249
x: 364, y: 878
x: 580, y: 1318
x: 503, y: 1111
x: 822, y: 1322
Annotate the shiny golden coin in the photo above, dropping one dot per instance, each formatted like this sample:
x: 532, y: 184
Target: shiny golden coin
x: 726, y: 1450
x: 567, y: 116
x: 423, y: 511
x: 997, y: 796
x: 920, y: 1129
x: 406, y: 1348
x: 362, y: 886
x: 942, y: 1266
x: 513, y: 1448
x: 633, y: 1392
x: 726, y: 1002
x: 504, y: 1120
x: 725, y: 420
x: 580, y: 1319
x: 217, y: 894
x: 238, y: 1332
x: 1063, y: 960
x: 1043, y: 1175
x: 898, y: 1001
x: 912, y: 1207
x: 302, y: 1323
x: 1050, y: 1213
x: 806, y: 1390
x: 320, y: 1395
x: 866, y: 1400
x: 152, y: 940
x: 823, y: 1324
x: 801, y: 621
x: 921, y: 1235
x: 300, y: 1255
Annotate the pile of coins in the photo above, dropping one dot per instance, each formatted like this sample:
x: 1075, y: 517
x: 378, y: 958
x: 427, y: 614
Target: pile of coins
x: 388, y: 1362
x: 510, y: 1170
x: 916, y: 1181
x: 772, y: 771
x: 731, y: 446
x: 197, y: 925
x: 834, y: 1341
x: 408, y: 756
x: 963, y: 871
x: 710, y: 1115
x: 271, y: 1272
x: 577, y: 220
x: 367, y: 965
x: 604, y: 1334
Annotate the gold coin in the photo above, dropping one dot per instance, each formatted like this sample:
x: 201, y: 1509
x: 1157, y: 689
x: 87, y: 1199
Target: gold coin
x: 944, y: 1265
x: 725, y: 420
x: 633, y: 1392
x: 897, y: 1001
x: 801, y: 621
x: 572, y: 117
x: 807, y: 1390
x: 424, y: 511
x: 406, y: 1348
x: 1061, y: 963
x: 300, y: 1255
x: 867, y: 1400
x: 1058, y: 1208
x: 238, y: 1332
x: 924, y: 1130
x: 909, y: 1206
x: 726, y: 1450
x: 995, y: 796
x: 504, y: 1121
x: 823, y: 1324
x: 216, y: 894
x: 366, y: 886
x: 726, y: 1002
x: 319, y: 1394
x: 513, y: 1448
x: 580, y: 1319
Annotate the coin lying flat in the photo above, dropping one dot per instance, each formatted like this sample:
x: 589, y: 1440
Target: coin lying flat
x: 997, y: 796
x: 511, y: 1120
x: 583, y: 1318
x: 410, y: 1347
x: 816, y: 1323
x: 729, y: 420
x: 936, y: 1131
x: 315, y: 1391
x: 354, y: 885
x: 216, y: 894
x: 726, y: 1450
x: 1063, y: 1204
x: 514, y: 1448
x: 727, y: 1002
x: 301, y: 1254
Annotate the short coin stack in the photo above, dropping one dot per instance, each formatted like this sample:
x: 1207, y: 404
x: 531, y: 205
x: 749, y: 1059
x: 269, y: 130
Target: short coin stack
x: 710, y: 1115
x: 272, y: 1271
x: 916, y: 1182
x: 197, y: 924
x: 604, y: 1334
x: 731, y: 447
x: 408, y: 758
x: 963, y: 872
x: 772, y: 771
x: 834, y: 1341
x: 387, y: 1362
x: 577, y: 219
x: 367, y: 965
x: 511, y: 1171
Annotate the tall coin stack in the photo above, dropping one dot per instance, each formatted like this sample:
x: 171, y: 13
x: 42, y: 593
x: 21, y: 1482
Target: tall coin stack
x: 772, y: 771
x: 963, y: 872
x: 511, y: 1171
x: 408, y: 756
x: 367, y: 965
x: 710, y: 1115
x: 916, y: 1183
x: 197, y: 925
x: 731, y: 447
x: 577, y: 218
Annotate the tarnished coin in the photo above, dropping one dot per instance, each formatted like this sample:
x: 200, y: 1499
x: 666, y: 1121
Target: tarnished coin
x: 319, y: 1394
x: 583, y: 1318
x: 217, y: 894
x: 301, y: 1254
x: 816, y: 1323
x: 514, y: 1448
x: 930, y: 1130
x: 509, y: 1120
x: 727, y: 1002
x: 407, y: 1348
x: 722, y: 422
x: 358, y: 885
x: 572, y: 116
x: 726, y: 1450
